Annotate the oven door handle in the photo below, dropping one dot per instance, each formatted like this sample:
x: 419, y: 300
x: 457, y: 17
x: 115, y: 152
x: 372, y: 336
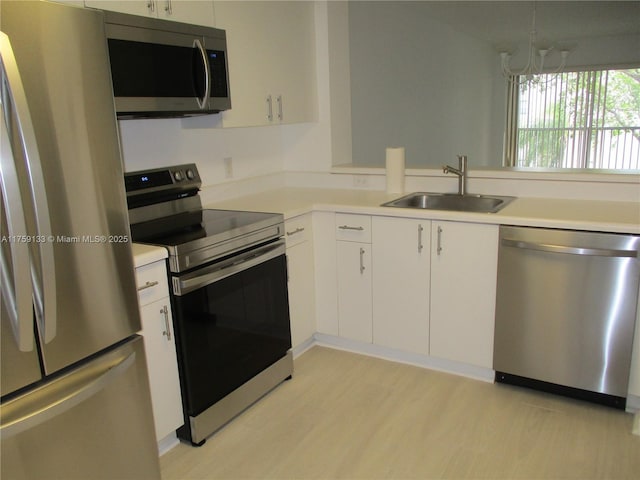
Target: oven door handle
x: 205, y: 276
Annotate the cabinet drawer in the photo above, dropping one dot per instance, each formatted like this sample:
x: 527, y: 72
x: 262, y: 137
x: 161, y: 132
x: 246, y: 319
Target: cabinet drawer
x: 353, y: 228
x: 151, y: 281
x: 297, y: 230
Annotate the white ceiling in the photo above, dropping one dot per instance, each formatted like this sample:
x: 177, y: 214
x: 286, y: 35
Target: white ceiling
x: 508, y: 21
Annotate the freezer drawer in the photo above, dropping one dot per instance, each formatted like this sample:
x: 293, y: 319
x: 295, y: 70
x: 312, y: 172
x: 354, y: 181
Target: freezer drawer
x: 92, y: 423
x: 566, y: 308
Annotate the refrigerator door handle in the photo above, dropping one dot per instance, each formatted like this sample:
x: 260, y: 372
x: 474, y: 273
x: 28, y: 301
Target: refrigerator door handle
x: 16, y: 288
x: 25, y: 413
x: 16, y: 111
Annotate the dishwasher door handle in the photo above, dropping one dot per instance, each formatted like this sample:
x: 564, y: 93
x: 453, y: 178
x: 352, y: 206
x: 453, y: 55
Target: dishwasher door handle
x: 550, y: 248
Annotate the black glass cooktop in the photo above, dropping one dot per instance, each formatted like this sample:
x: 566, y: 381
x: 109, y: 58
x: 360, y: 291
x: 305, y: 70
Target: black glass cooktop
x: 199, y: 229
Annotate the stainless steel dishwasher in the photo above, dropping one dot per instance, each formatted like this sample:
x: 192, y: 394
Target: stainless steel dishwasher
x: 565, y: 311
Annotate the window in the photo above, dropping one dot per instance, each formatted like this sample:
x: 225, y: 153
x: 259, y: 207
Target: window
x: 587, y: 119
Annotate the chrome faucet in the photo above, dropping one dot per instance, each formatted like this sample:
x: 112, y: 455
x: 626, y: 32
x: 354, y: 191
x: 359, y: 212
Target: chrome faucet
x: 461, y: 171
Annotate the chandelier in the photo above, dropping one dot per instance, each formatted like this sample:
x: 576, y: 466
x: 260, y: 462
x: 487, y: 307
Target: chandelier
x: 535, y: 60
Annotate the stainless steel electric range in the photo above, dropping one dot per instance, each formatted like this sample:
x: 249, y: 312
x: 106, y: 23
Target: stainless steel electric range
x: 228, y: 276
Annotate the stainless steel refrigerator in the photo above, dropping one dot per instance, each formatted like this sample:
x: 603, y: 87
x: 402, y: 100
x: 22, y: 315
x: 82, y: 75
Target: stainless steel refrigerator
x: 75, y: 394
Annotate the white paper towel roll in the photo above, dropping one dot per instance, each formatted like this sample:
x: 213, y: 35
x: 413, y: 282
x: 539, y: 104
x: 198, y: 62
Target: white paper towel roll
x: 395, y: 170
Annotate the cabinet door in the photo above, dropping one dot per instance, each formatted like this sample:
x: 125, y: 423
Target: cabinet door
x: 146, y: 8
x: 160, y: 351
x: 354, y: 290
x: 294, y: 73
x: 196, y: 12
x: 300, y: 261
x: 302, y: 303
x: 464, y: 264
x: 271, y: 49
x: 401, y: 251
x: 325, y: 268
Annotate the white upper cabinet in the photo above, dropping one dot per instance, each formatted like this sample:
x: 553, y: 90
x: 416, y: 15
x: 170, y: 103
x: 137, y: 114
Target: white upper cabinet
x: 464, y: 263
x: 186, y: 11
x: 271, y: 50
x: 401, y: 278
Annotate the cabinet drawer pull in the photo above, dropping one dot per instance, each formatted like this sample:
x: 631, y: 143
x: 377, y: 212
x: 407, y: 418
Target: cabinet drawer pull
x: 297, y: 230
x: 167, y: 331
x: 361, y: 261
x: 148, y: 285
x: 439, y: 246
x: 347, y: 227
x: 420, y: 245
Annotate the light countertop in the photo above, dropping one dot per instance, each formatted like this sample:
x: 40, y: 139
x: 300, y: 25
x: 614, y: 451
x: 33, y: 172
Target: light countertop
x: 619, y: 217
x: 146, y: 254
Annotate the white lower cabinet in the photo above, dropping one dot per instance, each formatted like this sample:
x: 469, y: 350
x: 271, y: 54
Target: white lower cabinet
x: 160, y: 348
x: 302, y: 305
x: 354, y: 272
x: 354, y: 290
x: 325, y: 265
x: 401, y: 283
x: 464, y: 260
x: 417, y: 286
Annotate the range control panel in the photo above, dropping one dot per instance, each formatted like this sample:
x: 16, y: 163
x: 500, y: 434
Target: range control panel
x: 182, y: 177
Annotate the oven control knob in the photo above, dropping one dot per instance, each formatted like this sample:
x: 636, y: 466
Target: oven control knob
x: 191, y: 174
x: 178, y: 176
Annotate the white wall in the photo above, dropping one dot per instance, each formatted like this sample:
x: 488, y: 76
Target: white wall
x: 417, y: 83
x: 152, y: 143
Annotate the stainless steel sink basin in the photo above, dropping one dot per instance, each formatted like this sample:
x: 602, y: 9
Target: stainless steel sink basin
x: 451, y: 201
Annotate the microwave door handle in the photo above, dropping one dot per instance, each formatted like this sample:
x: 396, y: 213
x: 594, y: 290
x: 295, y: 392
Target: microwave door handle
x: 202, y: 103
x: 43, y: 278
x: 16, y: 288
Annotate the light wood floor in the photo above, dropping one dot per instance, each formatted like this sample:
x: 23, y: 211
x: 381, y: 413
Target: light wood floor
x: 349, y: 416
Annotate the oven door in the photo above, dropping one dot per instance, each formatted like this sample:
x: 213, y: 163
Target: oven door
x: 231, y: 323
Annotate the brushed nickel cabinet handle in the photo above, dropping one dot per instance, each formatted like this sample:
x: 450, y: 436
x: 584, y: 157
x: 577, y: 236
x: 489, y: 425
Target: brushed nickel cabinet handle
x: 297, y: 230
x: 439, y: 245
x: 347, y: 227
x: 167, y: 331
x: 269, y: 108
x: 279, y: 102
x: 420, y: 245
x: 361, y: 261
x: 148, y: 285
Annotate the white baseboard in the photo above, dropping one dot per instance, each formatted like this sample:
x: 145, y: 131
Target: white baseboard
x: 424, y: 361
x: 633, y: 404
x: 303, y: 347
x: 167, y: 443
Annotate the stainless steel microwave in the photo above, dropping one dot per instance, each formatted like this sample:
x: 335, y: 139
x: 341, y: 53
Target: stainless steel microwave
x: 161, y: 68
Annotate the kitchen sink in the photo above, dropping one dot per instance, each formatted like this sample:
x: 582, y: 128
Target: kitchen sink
x: 451, y: 201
